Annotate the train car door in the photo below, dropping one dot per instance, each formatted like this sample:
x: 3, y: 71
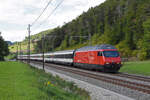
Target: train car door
x: 100, y: 57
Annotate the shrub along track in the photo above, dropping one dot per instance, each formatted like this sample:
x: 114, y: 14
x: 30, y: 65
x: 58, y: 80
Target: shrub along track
x: 124, y: 83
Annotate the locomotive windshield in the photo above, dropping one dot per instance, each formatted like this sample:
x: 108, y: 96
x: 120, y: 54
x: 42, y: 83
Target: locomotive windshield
x: 110, y: 53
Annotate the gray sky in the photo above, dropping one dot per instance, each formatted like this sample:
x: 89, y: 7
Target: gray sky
x: 15, y: 15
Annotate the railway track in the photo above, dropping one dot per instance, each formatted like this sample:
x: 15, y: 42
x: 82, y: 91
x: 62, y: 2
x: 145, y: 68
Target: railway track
x: 141, y: 78
x: 120, y: 82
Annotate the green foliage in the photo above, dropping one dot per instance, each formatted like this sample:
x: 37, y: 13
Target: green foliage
x: 142, y: 55
x: 21, y: 82
x: 123, y: 23
x: 135, y: 53
x: 116, y: 22
x: 11, y: 56
x: 24, y: 44
x: 3, y: 48
x: 124, y: 49
x: 140, y: 67
x: 144, y: 43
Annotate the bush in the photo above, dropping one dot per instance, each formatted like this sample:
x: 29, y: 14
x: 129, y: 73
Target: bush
x: 135, y: 53
x: 124, y: 49
x: 142, y: 55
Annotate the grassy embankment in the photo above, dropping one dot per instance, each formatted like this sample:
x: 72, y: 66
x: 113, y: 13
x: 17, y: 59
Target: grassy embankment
x: 20, y: 82
x: 139, y: 67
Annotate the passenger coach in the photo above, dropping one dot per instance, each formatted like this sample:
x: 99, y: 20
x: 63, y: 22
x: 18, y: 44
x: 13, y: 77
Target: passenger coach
x: 60, y: 57
x: 101, y: 57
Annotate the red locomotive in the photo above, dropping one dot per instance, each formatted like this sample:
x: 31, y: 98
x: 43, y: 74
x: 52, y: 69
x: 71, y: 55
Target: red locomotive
x: 104, y: 57
x: 101, y: 57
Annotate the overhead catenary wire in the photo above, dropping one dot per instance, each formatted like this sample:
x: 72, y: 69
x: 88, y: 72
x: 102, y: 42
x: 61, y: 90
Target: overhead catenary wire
x: 50, y: 14
x: 52, y: 11
x: 41, y: 13
x: 40, y: 24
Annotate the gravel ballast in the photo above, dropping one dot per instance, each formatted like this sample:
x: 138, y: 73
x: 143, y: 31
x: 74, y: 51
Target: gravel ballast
x: 96, y: 88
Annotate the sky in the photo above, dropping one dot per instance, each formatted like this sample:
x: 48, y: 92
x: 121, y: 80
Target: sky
x: 15, y: 15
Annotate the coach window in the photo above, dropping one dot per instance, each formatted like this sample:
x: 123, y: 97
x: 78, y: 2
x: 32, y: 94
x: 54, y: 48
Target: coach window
x: 100, y: 54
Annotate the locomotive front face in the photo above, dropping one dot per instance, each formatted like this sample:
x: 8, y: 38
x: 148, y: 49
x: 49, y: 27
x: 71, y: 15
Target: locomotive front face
x: 112, y: 60
x: 111, y: 57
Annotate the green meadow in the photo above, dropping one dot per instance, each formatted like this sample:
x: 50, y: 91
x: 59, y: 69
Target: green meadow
x: 138, y: 67
x: 19, y: 81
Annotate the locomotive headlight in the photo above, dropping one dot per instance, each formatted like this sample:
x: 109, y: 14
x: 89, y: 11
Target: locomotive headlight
x: 118, y: 62
x: 107, y: 62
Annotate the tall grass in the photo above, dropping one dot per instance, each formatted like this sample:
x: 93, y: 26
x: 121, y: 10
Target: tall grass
x: 20, y: 82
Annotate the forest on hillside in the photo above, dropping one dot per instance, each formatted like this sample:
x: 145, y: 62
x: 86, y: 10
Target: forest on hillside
x: 122, y: 23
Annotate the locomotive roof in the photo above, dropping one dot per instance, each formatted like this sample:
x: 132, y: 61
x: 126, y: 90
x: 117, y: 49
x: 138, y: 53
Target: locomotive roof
x: 97, y: 47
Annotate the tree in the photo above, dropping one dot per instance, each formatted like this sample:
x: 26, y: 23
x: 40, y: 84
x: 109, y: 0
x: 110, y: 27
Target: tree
x: 123, y: 23
x: 3, y: 48
x: 144, y: 42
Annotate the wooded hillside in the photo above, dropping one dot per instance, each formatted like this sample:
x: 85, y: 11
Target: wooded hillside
x: 123, y: 23
x: 24, y: 43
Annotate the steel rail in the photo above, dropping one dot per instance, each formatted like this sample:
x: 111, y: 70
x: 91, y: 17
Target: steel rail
x: 142, y: 78
x: 115, y: 81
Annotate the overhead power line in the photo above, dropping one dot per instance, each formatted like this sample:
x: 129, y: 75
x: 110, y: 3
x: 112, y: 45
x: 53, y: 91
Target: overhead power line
x: 50, y: 14
x: 53, y: 11
x: 41, y: 13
